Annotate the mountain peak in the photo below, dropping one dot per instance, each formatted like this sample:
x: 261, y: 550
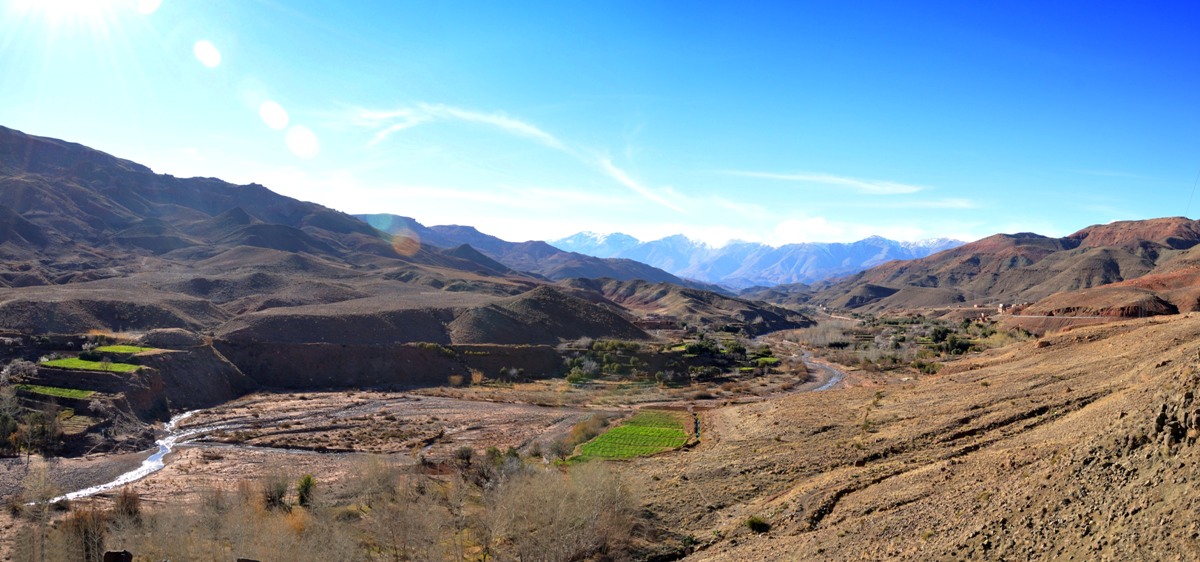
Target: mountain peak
x: 596, y: 244
x: 739, y: 264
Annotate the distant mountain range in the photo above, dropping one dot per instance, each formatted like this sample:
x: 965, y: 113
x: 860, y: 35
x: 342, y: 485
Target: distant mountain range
x: 740, y: 265
x: 538, y: 258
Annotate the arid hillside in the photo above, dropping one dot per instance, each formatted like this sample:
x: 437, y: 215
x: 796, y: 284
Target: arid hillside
x: 1014, y: 268
x: 89, y: 241
x: 289, y: 294
x: 1078, y: 446
x: 688, y: 305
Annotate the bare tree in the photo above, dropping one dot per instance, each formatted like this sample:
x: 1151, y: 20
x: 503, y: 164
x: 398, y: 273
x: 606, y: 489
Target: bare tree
x: 551, y: 516
x: 38, y: 488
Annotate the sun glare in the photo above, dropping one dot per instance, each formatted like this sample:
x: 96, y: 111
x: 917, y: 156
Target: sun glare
x: 148, y: 7
x: 98, y: 18
x: 61, y: 10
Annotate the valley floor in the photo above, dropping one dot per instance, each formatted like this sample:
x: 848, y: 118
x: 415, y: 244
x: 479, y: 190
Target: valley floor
x: 1080, y: 445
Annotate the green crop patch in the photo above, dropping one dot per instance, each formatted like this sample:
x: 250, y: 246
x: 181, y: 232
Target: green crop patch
x: 122, y: 349
x: 84, y: 365
x: 56, y: 391
x: 646, y: 433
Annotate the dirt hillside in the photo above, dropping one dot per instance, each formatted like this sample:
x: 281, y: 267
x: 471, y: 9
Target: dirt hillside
x: 1079, y: 446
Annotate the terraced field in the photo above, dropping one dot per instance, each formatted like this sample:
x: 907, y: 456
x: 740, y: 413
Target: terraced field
x: 129, y: 349
x: 85, y: 365
x: 56, y: 391
x: 646, y: 433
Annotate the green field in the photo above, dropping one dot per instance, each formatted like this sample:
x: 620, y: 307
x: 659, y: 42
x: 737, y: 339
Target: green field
x: 55, y: 391
x: 75, y: 363
x: 646, y: 433
x: 122, y: 349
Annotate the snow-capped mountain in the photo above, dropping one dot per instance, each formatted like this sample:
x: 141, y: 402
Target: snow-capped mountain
x: 747, y: 264
x: 598, y: 245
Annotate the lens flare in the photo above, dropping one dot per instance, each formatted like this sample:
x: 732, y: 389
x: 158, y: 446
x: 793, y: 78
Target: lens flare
x: 274, y: 115
x: 207, y: 53
x: 406, y: 242
x: 302, y: 141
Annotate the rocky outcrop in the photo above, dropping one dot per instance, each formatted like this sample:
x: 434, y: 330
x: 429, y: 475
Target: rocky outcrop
x: 316, y: 365
x: 172, y: 338
x: 197, y: 378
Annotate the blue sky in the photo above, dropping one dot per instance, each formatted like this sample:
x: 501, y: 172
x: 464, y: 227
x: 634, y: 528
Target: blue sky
x: 772, y: 122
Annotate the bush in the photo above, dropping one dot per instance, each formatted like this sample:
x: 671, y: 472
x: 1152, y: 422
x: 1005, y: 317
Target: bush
x: 18, y: 368
x: 758, y: 524
x: 274, y: 492
x: 540, y: 515
x: 463, y: 456
x: 83, y: 533
x: 127, y: 504
x: 304, y: 490
x: 587, y: 429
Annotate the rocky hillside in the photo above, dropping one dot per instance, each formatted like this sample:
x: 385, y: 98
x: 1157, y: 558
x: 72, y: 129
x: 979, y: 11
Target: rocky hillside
x: 690, y: 306
x: 1081, y: 446
x: 89, y: 241
x: 1014, y: 268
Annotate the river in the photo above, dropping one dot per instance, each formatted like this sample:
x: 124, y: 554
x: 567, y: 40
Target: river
x: 152, y: 464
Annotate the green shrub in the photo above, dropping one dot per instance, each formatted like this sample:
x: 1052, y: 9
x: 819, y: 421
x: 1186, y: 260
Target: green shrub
x: 758, y: 524
x: 304, y: 490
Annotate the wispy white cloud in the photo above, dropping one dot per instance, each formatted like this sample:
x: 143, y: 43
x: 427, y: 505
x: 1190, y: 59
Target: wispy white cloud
x: 392, y: 121
x: 873, y: 187
x: 623, y: 178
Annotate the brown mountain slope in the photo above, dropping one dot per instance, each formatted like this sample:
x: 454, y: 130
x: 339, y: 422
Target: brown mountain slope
x: 91, y: 241
x: 73, y: 208
x: 692, y: 306
x: 544, y: 315
x: 1020, y: 267
x: 1176, y: 233
x: 1083, y: 447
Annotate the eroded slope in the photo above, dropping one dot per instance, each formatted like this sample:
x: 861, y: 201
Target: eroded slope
x: 1080, y: 447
